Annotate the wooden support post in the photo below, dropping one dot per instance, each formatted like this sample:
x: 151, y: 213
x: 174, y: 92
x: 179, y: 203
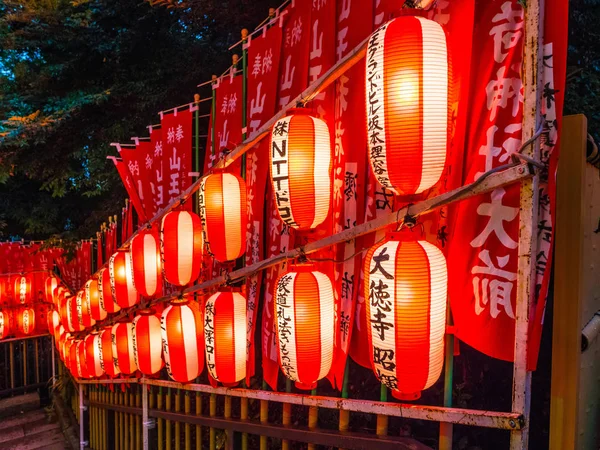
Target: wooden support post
x: 287, y: 414
x: 178, y: 424
x: 198, y: 427
x: 569, y: 272
x: 187, y: 407
x: 212, y: 413
x: 138, y: 418
x: 227, y: 415
x: 168, y: 422
x: 264, y: 417
x: 159, y: 406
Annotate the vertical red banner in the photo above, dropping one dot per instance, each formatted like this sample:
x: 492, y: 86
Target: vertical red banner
x: 228, y: 118
x: 130, y: 186
x: 157, y: 171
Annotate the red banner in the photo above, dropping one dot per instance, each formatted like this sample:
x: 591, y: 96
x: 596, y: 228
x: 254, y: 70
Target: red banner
x: 263, y: 56
x: 130, y: 186
x: 228, y: 118
x: 135, y: 160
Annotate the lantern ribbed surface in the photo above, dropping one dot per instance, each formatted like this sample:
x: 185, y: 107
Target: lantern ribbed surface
x: 92, y: 355
x: 300, y: 162
x: 73, y: 309
x: 147, y: 267
x: 107, y: 357
x: 122, y: 347
x: 222, y: 202
x: 82, y: 371
x: 4, y: 324
x: 50, y: 285
x: 225, y: 337
x: 92, y: 298
x: 120, y: 269
x: 181, y: 245
x: 22, y: 290
x: 84, y: 310
x: 147, y: 343
x: 105, y: 294
x: 405, y: 290
x: 26, y: 321
x: 183, y: 341
x: 304, y: 309
x: 407, y: 102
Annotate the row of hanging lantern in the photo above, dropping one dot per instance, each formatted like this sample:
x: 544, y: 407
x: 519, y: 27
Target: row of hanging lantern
x: 407, y: 102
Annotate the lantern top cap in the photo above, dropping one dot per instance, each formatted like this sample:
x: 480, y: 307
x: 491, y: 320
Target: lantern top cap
x: 303, y: 267
x: 147, y: 311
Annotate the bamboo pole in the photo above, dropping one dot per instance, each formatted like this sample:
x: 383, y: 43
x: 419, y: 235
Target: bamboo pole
x: 227, y: 415
x: 212, y: 413
x: 286, y: 418
x: 313, y: 418
x: 159, y: 405
x: 12, y: 364
x: 264, y: 417
x: 178, y: 424
x: 122, y: 422
x: 168, y: 422
x: 344, y: 418
x: 24, y: 353
x: 138, y: 418
x: 446, y: 429
x: 382, y: 420
x: 198, y: 427
x: 128, y: 421
x: 117, y: 415
x: 187, y: 408
x: 37, y: 360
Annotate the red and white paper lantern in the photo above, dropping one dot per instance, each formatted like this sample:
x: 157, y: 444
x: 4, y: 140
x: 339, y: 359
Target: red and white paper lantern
x: 92, y: 355
x: 26, y: 321
x: 107, y: 357
x: 92, y: 299
x: 407, y: 102
x: 405, y: 291
x: 181, y: 244
x: 105, y: 294
x: 120, y: 269
x: 50, y: 286
x: 5, y: 328
x: 225, y: 337
x: 22, y: 290
x: 305, y: 320
x: 147, y: 342
x: 147, y: 267
x: 122, y: 347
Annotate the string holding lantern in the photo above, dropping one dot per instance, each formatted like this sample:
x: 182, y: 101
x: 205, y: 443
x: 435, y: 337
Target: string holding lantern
x: 300, y: 167
x: 5, y: 322
x: 147, y: 342
x: 22, y: 290
x: 105, y: 293
x: 50, y: 286
x: 120, y: 269
x: 182, y: 337
x: 92, y: 299
x: 107, y: 357
x: 222, y: 205
x: 181, y: 245
x: 122, y: 347
x: 408, y: 106
x: 92, y: 355
x: 147, y: 267
x: 26, y: 321
x: 305, y: 320
x: 225, y: 337
x: 405, y: 291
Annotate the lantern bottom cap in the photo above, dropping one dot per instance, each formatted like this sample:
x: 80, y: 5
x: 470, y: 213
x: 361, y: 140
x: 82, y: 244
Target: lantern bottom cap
x: 406, y: 396
x: 231, y: 384
x: 306, y: 386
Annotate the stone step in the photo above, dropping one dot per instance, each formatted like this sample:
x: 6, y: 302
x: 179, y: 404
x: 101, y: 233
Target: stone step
x: 17, y: 420
x: 45, y: 437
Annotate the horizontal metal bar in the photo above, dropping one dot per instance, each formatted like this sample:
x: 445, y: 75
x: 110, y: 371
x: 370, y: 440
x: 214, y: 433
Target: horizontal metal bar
x: 108, y: 381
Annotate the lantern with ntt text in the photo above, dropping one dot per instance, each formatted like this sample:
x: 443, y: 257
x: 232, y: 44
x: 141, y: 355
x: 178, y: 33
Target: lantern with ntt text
x: 183, y: 339
x: 222, y: 202
x: 26, y: 321
x: 107, y: 357
x: 305, y: 319
x: 120, y: 269
x: 105, y: 294
x: 147, y: 271
x: 147, y: 342
x: 405, y: 292
x: 408, y: 107
x: 225, y: 337
x: 92, y: 355
x: 50, y: 286
x: 122, y: 343
x: 92, y: 298
x: 4, y: 324
x: 300, y: 161
x: 181, y: 244
x: 22, y: 289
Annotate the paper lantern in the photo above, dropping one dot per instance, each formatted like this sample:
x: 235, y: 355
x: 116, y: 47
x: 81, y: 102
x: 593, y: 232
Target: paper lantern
x: 405, y: 298
x: 222, y: 202
x: 407, y: 101
x: 73, y: 308
x: 92, y: 299
x: 92, y: 355
x: 26, y: 321
x: 120, y: 269
x: 64, y: 312
x: 122, y: 347
x: 225, y: 337
x: 58, y: 335
x: 53, y: 321
x: 300, y: 161
x: 22, y: 290
x: 181, y: 244
x: 66, y: 355
x: 84, y: 316
x: 107, y: 357
x: 183, y: 339
x: 4, y: 299
x: 105, y: 294
x: 147, y: 271
x: 50, y: 286
x: 4, y: 324
x: 81, y: 359
x: 305, y: 318
x: 147, y: 342
x: 58, y: 295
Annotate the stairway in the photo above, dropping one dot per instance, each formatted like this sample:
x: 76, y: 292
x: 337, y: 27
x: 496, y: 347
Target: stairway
x: 24, y: 425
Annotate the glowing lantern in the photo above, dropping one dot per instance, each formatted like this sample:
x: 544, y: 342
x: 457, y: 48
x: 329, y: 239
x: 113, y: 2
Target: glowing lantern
x: 53, y: 321
x: 300, y: 157
x: 147, y: 342
x: 84, y: 310
x: 50, y: 285
x: 225, y: 337
x: 121, y: 280
x: 64, y: 312
x: 4, y: 324
x: 182, y: 336
x: 92, y: 355
x: 122, y: 347
x: 22, y: 292
x: 58, y: 294
x: 92, y: 299
x: 80, y: 359
x: 26, y: 321
x: 66, y: 355
x: 223, y: 212
x: 73, y: 308
x: 3, y: 292
x: 181, y: 244
x: 406, y: 284
x: 408, y: 107
x: 304, y: 309
x: 105, y: 294
x: 107, y: 357
x: 58, y: 335
x: 147, y: 272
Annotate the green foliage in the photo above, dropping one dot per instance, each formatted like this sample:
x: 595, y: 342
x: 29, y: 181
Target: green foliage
x: 77, y: 75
